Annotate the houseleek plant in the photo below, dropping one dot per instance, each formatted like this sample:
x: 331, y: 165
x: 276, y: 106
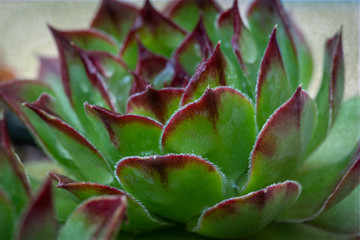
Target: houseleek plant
x: 185, y: 124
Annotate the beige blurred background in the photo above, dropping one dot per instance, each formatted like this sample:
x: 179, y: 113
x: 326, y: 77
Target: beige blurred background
x: 24, y: 34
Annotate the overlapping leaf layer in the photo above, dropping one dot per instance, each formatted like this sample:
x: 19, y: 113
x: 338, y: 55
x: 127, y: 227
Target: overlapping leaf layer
x: 185, y: 124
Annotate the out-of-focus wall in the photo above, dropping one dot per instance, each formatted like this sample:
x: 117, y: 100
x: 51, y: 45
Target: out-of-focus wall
x: 24, y: 34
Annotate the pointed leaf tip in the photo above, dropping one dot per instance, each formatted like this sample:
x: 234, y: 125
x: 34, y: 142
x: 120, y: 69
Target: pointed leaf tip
x: 272, y: 73
x: 38, y: 221
x: 211, y: 73
x: 195, y: 48
x: 282, y: 142
x: 97, y: 218
x: 199, y: 127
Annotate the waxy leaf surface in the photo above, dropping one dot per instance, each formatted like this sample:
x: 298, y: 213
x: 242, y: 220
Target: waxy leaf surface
x: 138, y: 217
x: 116, y: 76
x: 38, y: 222
x: 344, y: 218
x: 239, y: 46
x: 156, y: 32
x: 125, y: 135
x: 90, y: 39
x: 219, y: 127
x: 177, y: 187
x: 115, y: 18
x: 13, y: 180
x: 156, y: 104
x: 273, y: 87
x: 97, y: 218
x: 331, y: 90
x: 263, y: 15
x: 77, y: 150
x: 327, y: 166
x: 186, y: 13
x: 245, y: 215
x: 211, y: 73
x: 196, y: 48
x: 282, y: 142
x: 82, y: 81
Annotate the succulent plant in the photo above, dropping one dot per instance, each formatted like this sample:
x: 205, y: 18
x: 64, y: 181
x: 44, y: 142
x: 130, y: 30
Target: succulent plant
x: 186, y: 124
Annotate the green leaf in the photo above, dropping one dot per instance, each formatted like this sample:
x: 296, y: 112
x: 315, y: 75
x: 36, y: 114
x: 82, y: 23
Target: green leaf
x: 219, y: 127
x: 115, y: 18
x: 300, y: 231
x: 344, y: 218
x: 152, y: 67
x: 273, y: 87
x: 156, y: 32
x: 211, y: 73
x: 129, y: 51
x: 245, y: 215
x: 38, y: 222
x: 124, y: 135
x: 139, y: 218
x: 14, y: 95
x: 7, y: 217
x: 13, y: 179
x: 156, y: 104
x: 82, y: 81
x: 50, y: 74
x: 281, y: 144
x: 263, y: 15
x: 186, y: 13
x: 304, y: 57
x: 177, y: 187
x: 90, y: 39
x: 97, y: 218
x: 116, y: 75
x: 329, y: 97
x: 196, y: 48
x: 324, y: 169
x: 76, y: 149
x: 240, y: 47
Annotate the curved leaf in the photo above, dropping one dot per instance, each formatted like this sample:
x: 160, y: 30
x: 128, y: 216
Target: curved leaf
x: 219, y: 127
x: 324, y: 169
x: 273, y: 87
x: 115, y: 18
x: 211, y: 73
x: 90, y: 39
x: 13, y: 179
x: 139, y: 218
x: 97, y: 218
x: 344, y: 218
x: 177, y: 187
x: 156, y: 32
x: 263, y: 15
x: 38, y: 222
x: 245, y: 215
x: 186, y: 14
x: 196, y: 48
x: 125, y: 135
x: 281, y: 144
x: 77, y: 150
x: 329, y: 97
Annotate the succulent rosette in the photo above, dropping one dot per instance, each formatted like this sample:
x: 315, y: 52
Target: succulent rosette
x: 186, y: 124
